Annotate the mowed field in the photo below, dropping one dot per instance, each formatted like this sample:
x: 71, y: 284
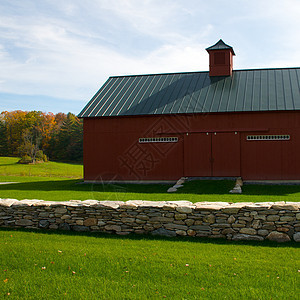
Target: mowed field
x: 48, y: 265
x: 9, y: 167
x: 62, y: 182
x: 59, y: 265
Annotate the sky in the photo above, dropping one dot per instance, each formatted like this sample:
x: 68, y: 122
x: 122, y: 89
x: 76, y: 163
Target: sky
x: 56, y: 54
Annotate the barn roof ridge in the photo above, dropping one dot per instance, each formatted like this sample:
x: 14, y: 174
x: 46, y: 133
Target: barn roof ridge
x: 192, y: 72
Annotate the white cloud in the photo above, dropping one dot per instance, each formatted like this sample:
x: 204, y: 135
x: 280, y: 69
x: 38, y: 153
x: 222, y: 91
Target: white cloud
x: 148, y: 17
x: 68, y: 49
x: 58, y: 63
x: 79, y: 66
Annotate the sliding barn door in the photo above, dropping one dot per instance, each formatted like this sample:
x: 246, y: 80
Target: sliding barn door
x: 212, y: 154
x: 197, y: 155
x: 225, y: 154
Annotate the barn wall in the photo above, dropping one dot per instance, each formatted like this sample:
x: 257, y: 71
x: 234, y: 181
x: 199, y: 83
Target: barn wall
x: 208, y: 145
x: 112, y: 150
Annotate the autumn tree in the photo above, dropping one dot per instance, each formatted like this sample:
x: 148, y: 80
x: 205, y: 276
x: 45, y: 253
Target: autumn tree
x: 14, y: 123
x: 31, y: 142
x: 28, y: 133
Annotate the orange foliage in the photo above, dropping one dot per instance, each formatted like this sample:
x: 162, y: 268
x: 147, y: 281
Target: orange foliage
x: 58, y: 135
x: 16, y: 122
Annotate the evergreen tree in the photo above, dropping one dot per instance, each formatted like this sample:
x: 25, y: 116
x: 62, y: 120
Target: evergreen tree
x: 3, y: 140
x: 67, y: 142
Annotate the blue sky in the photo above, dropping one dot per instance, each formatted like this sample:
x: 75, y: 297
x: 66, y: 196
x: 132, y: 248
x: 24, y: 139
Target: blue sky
x: 55, y: 55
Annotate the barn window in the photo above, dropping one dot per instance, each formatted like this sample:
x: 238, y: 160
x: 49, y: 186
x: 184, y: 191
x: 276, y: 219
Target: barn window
x: 268, y: 137
x: 159, y: 140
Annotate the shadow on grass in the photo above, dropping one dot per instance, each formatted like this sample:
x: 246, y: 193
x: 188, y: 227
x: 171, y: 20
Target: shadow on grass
x: 149, y: 237
x: 79, y: 163
x: 9, y: 164
x: 49, y: 185
x: 197, y: 187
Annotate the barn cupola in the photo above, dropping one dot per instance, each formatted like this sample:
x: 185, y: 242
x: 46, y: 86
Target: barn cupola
x: 220, y: 59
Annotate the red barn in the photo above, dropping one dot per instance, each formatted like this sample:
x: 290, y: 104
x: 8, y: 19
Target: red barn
x: 221, y: 123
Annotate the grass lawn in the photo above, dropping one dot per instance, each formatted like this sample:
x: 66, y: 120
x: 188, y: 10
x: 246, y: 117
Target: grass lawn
x: 59, y: 182
x: 10, y: 167
x: 47, y: 265
x: 61, y: 189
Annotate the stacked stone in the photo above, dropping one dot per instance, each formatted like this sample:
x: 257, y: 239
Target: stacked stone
x: 278, y: 221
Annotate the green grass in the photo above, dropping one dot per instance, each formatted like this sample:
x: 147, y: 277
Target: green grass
x: 40, y: 265
x: 10, y: 167
x: 60, y: 189
x: 59, y: 182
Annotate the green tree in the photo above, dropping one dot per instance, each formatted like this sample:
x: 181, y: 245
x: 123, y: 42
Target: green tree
x: 67, y: 142
x: 3, y: 139
x: 31, y: 142
x: 59, y: 136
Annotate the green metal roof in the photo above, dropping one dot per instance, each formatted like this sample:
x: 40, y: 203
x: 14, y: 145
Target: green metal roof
x: 197, y: 92
x: 220, y: 45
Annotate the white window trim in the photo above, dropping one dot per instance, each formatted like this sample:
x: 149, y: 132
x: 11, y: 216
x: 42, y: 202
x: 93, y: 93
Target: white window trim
x: 269, y: 137
x: 158, y: 140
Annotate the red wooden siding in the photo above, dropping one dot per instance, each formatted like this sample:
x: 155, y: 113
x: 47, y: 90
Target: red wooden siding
x: 197, y: 155
x: 225, y: 154
x: 208, y: 145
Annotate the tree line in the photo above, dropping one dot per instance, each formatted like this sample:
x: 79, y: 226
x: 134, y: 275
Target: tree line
x: 35, y: 135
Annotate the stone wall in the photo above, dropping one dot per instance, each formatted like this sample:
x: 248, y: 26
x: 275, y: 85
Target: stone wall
x: 277, y: 221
